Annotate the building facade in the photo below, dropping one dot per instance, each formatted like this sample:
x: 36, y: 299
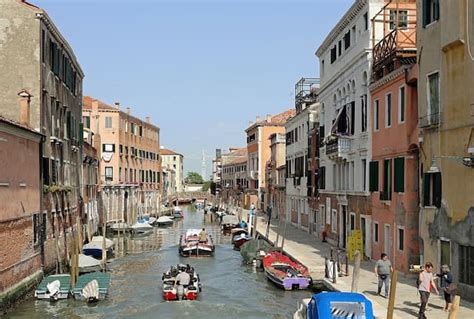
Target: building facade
x: 258, y: 151
x: 173, y: 161
x: 297, y: 137
x: 446, y: 107
x: 21, y: 220
x: 234, y: 175
x: 43, y: 68
x: 393, y: 181
x: 130, y: 167
x: 276, y: 176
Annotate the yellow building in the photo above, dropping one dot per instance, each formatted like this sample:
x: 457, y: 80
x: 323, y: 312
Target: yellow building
x: 446, y: 110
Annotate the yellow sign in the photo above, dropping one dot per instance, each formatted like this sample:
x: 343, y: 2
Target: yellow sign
x: 354, y: 242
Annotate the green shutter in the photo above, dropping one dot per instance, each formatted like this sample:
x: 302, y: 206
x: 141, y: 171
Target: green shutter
x: 437, y: 189
x: 374, y: 176
x: 426, y: 189
x: 81, y: 133
x: 399, y: 175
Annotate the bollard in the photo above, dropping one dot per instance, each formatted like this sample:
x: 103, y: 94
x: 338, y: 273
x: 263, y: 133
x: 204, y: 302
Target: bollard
x: 347, y: 265
x: 393, y: 290
x: 453, y: 314
x: 334, y: 272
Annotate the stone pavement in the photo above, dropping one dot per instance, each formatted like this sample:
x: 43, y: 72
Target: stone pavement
x: 310, y: 251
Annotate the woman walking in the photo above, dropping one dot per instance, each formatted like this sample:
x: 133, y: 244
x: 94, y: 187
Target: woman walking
x: 426, y: 283
x: 448, y: 287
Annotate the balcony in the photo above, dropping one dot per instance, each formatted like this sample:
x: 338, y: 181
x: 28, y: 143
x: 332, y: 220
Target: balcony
x: 430, y: 120
x: 338, y: 147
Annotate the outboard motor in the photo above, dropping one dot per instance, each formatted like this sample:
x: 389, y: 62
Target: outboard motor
x: 180, y: 292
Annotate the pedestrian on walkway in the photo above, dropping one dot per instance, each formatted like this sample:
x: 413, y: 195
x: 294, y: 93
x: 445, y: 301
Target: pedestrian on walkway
x: 252, y: 210
x: 269, y: 214
x: 448, y: 287
x: 383, y: 269
x: 426, y: 283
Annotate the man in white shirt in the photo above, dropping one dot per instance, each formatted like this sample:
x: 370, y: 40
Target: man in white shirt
x: 183, y: 278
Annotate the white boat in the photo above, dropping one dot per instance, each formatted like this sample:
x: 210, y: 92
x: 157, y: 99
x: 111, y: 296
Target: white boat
x: 88, y: 264
x: 152, y: 220
x: 141, y: 227
x: 164, y: 220
x: 118, y: 226
x: 109, y: 244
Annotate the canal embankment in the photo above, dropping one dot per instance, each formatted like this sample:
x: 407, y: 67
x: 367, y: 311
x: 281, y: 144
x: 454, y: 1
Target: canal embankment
x: 311, y: 251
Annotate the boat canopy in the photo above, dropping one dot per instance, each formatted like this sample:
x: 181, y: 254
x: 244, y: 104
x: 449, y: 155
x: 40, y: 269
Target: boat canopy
x: 230, y: 219
x: 340, y: 305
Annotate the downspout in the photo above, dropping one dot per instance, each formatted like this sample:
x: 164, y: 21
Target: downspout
x: 43, y: 221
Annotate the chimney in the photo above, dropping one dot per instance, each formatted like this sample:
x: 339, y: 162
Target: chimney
x: 127, y: 110
x: 117, y: 105
x: 25, y: 99
x: 147, y: 119
x: 257, y: 119
x: 269, y: 118
x: 95, y: 106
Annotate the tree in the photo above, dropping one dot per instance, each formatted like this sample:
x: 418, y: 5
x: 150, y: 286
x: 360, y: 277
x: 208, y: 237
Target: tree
x: 206, y: 186
x: 193, y: 178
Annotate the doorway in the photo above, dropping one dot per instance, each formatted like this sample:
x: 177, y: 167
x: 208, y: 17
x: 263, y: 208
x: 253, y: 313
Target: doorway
x: 386, y: 240
x: 445, y: 252
x: 344, y: 225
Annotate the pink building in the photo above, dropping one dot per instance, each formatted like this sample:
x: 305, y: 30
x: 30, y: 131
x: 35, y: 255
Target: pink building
x: 394, y: 167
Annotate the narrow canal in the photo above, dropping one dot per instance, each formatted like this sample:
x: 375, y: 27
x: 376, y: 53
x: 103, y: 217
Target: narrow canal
x: 230, y: 288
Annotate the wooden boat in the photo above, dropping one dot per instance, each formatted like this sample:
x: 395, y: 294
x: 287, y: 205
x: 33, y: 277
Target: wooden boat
x: 286, y: 273
x: 239, y: 237
x: 164, y: 220
x: 172, y: 290
x: 87, y: 290
x: 344, y: 304
x: 54, y: 287
x: 229, y: 222
x: 191, y: 246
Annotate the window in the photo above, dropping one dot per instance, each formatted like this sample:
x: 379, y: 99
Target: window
x: 333, y: 54
x: 366, y: 20
x: 401, y: 238
x: 109, y: 173
x: 402, y: 17
x: 322, y: 67
x: 339, y: 48
x: 322, y: 177
x: 432, y: 189
x: 108, y: 148
x: 430, y: 11
x: 108, y: 122
x: 386, y: 194
x: 401, y: 104
x: 388, y: 110
x: 376, y: 115
x: 399, y: 175
x: 347, y: 40
x: 363, y: 102
x: 353, y: 221
x: 433, y: 98
x: 87, y: 121
x: 466, y: 265
x: 376, y: 232
x: 334, y: 221
x: 251, y: 138
x: 374, y: 176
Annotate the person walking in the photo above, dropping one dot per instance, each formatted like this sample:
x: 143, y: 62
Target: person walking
x: 383, y: 269
x: 448, y: 287
x: 426, y: 284
x: 269, y: 214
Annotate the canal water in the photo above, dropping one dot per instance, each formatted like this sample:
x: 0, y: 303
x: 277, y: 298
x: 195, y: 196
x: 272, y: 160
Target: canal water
x: 231, y: 289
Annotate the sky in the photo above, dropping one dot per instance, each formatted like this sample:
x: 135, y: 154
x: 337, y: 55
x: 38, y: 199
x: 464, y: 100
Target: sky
x: 200, y: 69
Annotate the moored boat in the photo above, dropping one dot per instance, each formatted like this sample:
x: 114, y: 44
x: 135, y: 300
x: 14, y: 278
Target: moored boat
x: 178, y: 212
x: 141, y: 226
x: 173, y: 289
x: 229, y: 222
x: 118, y: 226
x: 240, y: 238
x: 92, y: 287
x: 196, y: 243
x: 254, y: 249
x: 95, y: 248
x: 54, y: 287
x: 88, y: 264
x: 164, y: 220
x: 286, y: 273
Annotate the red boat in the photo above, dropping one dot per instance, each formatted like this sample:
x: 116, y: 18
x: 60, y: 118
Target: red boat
x: 172, y: 290
x: 286, y: 273
x: 239, y: 237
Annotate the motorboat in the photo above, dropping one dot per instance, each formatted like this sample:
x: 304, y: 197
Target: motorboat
x: 192, y: 245
x: 109, y: 244
x: 88, y: 264
x: 286, y: 273
x: 239, y: 237
x: 54, y: 287
x: 344, y: 304
x: 141, y: 226
x: 172, y: 288
x: 164, y: 221
x: 96, y: 246
x: 178, y: 212
x: 92, y: 287
x: 118, y: 226
x: 152, y: 220
x: 229, y: 222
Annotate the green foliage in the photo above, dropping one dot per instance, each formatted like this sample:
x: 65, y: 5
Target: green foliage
x: 56, y: 189
x: 194, y: 178
x: 206, y: 186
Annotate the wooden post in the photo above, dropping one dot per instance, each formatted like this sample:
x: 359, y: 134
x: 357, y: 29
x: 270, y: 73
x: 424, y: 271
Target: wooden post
x: 334, y: 271
x: 356, y: 272
x: 453, y: 314
x: 393, y: 290
x: 255, y: 225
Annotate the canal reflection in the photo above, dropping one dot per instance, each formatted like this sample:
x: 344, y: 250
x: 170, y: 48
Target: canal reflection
x: 230, y: 289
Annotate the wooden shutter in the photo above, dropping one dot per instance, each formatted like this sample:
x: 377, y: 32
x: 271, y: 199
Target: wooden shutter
x: 399, y: 175
x: 426, y: 12
x: 426, y: 189
x: 374, y: 176
x: 437, y: 189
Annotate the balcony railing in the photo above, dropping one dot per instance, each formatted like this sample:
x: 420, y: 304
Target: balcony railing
x: 339, y: 147
x: 433, y: 119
